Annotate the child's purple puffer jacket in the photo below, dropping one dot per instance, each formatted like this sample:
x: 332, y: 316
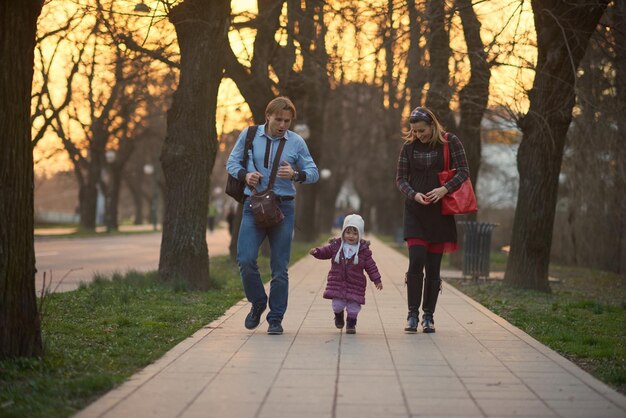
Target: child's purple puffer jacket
x: 346, y: 280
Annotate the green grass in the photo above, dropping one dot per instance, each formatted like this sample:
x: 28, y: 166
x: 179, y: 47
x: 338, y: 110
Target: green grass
x: 584, y: 318
x: 102, y: 333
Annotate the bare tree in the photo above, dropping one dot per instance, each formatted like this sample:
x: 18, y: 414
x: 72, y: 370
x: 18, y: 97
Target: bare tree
x: 310, y: 95
x: 191, y: 144
x: 590, y: 216
x: 274, y: 69
x: 20, y: 330
x: 438, y: 44
x: 563, y: 32
x: 473, y: 97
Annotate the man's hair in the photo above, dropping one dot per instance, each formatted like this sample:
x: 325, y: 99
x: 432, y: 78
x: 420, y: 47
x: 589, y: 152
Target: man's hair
x: 280, y: 103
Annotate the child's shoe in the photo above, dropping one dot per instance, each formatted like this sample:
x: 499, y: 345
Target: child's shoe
x: 351, y: 326
x: 339, y: 323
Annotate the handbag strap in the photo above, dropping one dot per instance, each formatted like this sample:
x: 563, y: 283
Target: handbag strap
x: 248, y: 145
x: 446, y: 154
x: 275, y: 165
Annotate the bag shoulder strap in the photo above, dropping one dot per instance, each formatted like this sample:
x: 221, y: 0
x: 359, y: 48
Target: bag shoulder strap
x: 446, y: 153
x: 276, y: 163
x: 248, y: 144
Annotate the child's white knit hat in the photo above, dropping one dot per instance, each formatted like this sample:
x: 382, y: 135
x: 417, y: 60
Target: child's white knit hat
x: 357, y: 222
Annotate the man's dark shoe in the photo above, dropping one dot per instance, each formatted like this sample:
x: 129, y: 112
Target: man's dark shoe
x: 411, y: 323
x: 275, y: 328
x: 351, y: 326
x: 339, y: 322
x: 254, y: 317
x: 428, y: 324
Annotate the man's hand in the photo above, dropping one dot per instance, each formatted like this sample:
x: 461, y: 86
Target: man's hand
x: 252, y: 179
x: 285, y: 171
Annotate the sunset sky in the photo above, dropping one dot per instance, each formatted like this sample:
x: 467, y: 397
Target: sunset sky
x: 508, y: 82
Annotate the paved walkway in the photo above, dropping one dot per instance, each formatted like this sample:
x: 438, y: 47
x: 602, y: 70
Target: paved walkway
x: 476, y: 365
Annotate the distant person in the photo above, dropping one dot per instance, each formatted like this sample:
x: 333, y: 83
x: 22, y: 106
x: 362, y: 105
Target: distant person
x: 427, y: 232
x: 230, y: 219
x: 350, y: 256
x: 296, y: 165
x: 211, y: 217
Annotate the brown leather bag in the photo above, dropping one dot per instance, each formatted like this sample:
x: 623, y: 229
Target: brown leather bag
x: 265, y: 205
x: 265, y: 209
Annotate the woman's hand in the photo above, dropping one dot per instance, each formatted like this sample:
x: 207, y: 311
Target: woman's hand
x: 435, y: 195
x: 421, y: 199
x: 379, y: 285
x: 312, y: 251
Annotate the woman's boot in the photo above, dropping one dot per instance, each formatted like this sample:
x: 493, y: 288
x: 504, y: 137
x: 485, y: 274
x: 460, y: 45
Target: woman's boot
x: 431, y: 294
x: 414, y: 283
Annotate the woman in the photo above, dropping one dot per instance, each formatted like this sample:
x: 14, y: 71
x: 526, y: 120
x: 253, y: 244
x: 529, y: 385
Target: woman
x: 428, y: 233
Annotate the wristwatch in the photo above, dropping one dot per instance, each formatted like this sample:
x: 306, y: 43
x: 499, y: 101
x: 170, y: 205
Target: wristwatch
x: 295, y: 175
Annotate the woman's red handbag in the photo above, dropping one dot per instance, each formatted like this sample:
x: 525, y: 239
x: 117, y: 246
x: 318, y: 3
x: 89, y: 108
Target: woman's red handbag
x: 463, y: 199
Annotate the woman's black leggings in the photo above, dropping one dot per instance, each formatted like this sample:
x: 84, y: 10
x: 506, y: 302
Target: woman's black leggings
x: 419, y: 260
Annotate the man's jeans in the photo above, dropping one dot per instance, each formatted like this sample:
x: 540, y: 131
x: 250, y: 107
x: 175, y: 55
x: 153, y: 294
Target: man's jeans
x: 248, y: 244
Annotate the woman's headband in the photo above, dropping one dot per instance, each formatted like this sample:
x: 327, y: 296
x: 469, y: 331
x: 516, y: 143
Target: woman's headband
x: 418, y: 115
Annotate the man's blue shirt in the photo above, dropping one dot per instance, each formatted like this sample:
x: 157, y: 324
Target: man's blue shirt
x: 261, y: 159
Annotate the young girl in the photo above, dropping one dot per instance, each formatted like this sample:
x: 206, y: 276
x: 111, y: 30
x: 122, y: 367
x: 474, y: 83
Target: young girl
x: 350, y: 255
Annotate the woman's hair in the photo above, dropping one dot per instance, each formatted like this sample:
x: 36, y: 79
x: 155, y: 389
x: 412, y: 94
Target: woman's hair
x: 278, y: 104
x: 424, y: 114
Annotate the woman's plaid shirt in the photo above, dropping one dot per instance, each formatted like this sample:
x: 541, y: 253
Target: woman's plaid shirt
x: 458, y: 162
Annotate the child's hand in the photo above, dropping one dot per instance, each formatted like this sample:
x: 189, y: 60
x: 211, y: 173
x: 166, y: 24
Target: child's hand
x: 379, y: 285
x: 312, y: 251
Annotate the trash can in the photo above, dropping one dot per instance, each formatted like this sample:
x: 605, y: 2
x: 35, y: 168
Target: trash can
x: 476, y: 248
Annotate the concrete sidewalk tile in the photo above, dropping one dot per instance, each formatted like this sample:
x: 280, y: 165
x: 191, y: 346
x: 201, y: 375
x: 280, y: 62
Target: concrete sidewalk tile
x: 439, y: 383
x: 544, y: 367
x: 502, y: 392
x: 596, y: 409
x: 159, y: 397
x: 218, y: 408
x: 370, y: 411
x: 370, y: 393
x: 321, y: 406
x: 500, y: 379
x: 443, y: 407
x: 301, y: 393
x: 235, y: 388
x: 428, y: 371
x: 515, y: 407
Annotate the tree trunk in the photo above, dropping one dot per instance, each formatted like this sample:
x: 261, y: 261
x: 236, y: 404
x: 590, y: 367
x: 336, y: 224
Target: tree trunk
x: 474, y: 96
x: 563, y: 32
x: 620, y: 157
x: 312, y: 35
x: 88, y: 202
x: 135, y: 187
x: 112, y: 201
x: 416, y: 76
x: 439, y: 92
x: 189, y: 150
x: 20, y: 329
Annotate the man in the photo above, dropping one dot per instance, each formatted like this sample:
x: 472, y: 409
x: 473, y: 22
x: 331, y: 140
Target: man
x: 296, y: 165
